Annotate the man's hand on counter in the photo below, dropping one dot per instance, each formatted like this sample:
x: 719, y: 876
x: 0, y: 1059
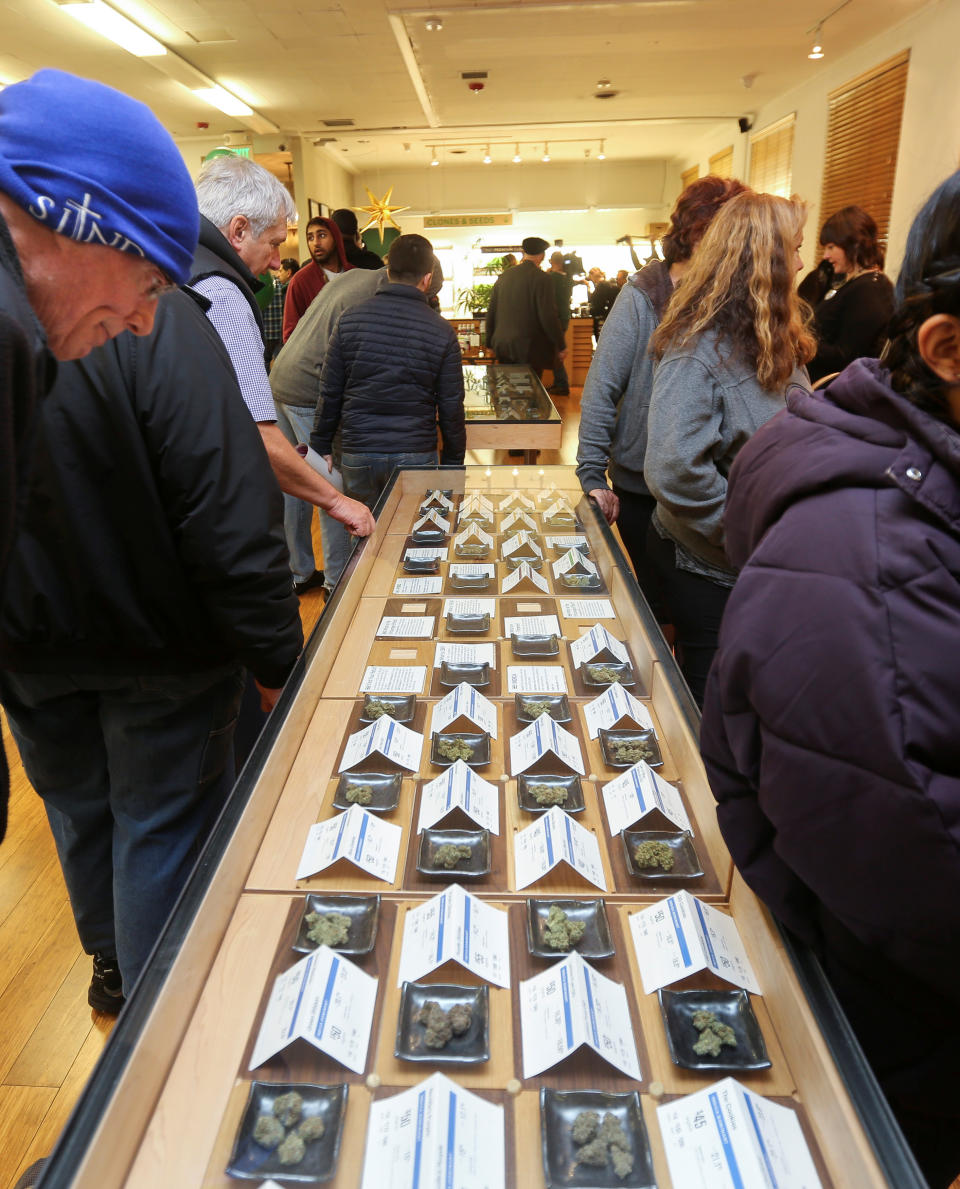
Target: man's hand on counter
x: 355, y: 516
x: 607, y: 502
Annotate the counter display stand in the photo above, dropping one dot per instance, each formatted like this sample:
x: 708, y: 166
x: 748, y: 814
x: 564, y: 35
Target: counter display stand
x: 165, y: 1102
x: 507, y: 408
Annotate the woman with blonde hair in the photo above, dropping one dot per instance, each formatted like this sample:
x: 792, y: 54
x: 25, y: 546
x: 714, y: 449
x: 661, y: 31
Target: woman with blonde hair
x: 732, y: 341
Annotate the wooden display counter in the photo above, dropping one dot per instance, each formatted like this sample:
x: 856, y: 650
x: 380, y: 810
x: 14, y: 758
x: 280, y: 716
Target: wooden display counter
x: 507, y: 408
x: 165, y: 1103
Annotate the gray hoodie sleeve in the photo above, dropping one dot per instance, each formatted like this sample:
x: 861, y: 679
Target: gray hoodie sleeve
x: 618, y: 384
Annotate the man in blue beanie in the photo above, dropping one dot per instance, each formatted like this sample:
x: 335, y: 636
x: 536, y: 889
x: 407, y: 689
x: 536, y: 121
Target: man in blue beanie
x: 98, y: 217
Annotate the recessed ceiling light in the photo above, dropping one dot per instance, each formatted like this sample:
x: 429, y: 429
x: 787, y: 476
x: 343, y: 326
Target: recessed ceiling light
x: 486, y: 156
x: 109, y: 23
x: 433, y: 24
x: 516, y: 156
x: 602, y: 156
x: 222, y: 100
x: 546, y: 153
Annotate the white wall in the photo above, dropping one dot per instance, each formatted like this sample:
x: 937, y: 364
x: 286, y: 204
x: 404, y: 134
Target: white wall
x: 930, y: 133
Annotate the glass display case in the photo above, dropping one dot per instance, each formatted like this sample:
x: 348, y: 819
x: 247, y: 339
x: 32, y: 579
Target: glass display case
x: 167, y: 1102
x: 507, y: 408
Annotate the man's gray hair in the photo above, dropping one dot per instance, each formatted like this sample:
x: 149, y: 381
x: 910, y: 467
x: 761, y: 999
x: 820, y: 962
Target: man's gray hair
x: 229, y: 186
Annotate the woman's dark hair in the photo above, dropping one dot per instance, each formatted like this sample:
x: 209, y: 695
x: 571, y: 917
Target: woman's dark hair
x: 929, y: 283
x: 691, y: 217
x: 856, y: 232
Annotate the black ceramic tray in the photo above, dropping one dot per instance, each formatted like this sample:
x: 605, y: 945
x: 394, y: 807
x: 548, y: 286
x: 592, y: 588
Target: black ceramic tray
x: 468, y: 625
x: 573, y: 804
x: 400, y: 707
x: 478, y: 740
x: 558, y: 1111
x: 452, y: 673
x: 580, y: 581
x: 561, y: 521
x: 558, y: 707
x: 363, y: 911
x: 421, y: 565
x: 623, y: 669
x: 515, y: 560
x: 646, y: 740
x: 534, y: 645
x: 686, y: 861
x: 470, y: 1048
x: 474, y: 867
x: 252, y: 1162
x: 730, y: 1007
x: 429, y: 535
x: 385, y: 788
x: 560, y: 550
x: 473, y: 551
x: 596, y: 941
x: 470, y: 582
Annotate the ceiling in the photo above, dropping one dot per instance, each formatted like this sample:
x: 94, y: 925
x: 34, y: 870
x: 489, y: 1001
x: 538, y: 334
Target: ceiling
x: 677, y: 69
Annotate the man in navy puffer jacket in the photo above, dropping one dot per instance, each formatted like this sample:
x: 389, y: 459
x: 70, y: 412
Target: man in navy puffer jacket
x: 392, y: 373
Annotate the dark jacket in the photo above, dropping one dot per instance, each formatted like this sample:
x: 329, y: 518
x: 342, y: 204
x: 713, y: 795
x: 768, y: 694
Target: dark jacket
x: 153, y: 538
x: 831, y: 725
x: 392, y: 372
x: 215, y: 257
x: 361, y: 257
x: 523, y: 325
x: 851, y: 324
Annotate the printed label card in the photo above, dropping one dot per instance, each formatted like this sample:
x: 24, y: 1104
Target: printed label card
x: 361, y: 838
x: 524, y: 575
x: 536, y: 679
x: 473, y: 535
x: 436, y: 1135
x: 639, y: 791
x: 472, y: 569
x: 532, y: 625
x: 454, y: 926
x: 418, y: 586
x: 470, y: 607
x: 560, y: 512
x: 556, y: 838
x: 519, y: 520
x: 460, y: 788
x: 390, y: 739
x: 521, y: 545
x: 436, y: 499
x: 467, y: 706
x: 325, y: 1000
x: 393, y: 679
x: 550, y: 495
x: 464, y: 654
x: 681, y: 935
x: 570, y: 1005
x: 432, y: 520
x: 564, y: 543
x: 573, y: 562
x: 516, y: 499
x: 423, y: 553
x: 616, y: 705
x: 406, y: 627
x: 476, y: 499
x: 540, y: 738
x: 727, y: 1137
x: 597, y: 644
x: 586, y: 609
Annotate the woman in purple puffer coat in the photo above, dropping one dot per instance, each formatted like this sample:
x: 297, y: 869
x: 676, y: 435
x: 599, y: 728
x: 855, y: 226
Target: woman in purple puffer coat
x: 831, y: 724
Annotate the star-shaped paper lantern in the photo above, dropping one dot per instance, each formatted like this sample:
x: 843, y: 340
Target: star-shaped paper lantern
x: 380, y: 211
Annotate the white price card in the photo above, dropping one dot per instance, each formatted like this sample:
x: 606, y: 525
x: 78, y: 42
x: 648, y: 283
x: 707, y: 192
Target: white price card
x: 474, y: 569
x: 516, y: 499
x: 476, y: 499
x: 406, y: 627
x: 470, y: 607
x: 639, y: 791
x: 522, y: 571
x: 432, y: 519
x: 436, y: 1135
x: 425, y: 554
x: 522, y: 543
x: 464, y: 654
x: 536, y: 679
x: 570, y: 1005
x: 393, y: 679
x: 586, y: 609
x: 593, y: 642
x: 391, y: 739
x: 418, y: 586
x: 362, y: 838
x: 465, y: 702
x: 544, y: 735
x: 560, y: 507
x: 556, y: 838
x: 436, y: 498
x: 573, y: 561
x: 681, y: 935
x: 575, y: 542
x: 549, y: 494
x: 325, y: 1000
x: 611, y: 706
x: 454, y: 926
x: 519, y: 517
x: 473, y: 534
x: 531, y: 625
x: 727, y: 1137
x: 460, y: 788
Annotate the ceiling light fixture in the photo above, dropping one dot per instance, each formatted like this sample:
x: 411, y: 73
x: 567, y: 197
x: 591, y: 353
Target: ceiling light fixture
x: 602, y: 156
x: 217, y: 97
x: 109, y: 23
x: 435, y: 161
x: 546, y: 153
x: 486, y: 156
x: 817, y: 52
x: 433, y: 24
x: 516, y: 155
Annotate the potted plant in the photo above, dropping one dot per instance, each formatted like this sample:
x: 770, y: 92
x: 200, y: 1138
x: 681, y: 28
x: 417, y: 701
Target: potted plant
x: 474, y: 300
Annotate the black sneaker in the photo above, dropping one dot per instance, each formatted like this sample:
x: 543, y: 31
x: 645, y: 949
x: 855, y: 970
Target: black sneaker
x: 106, y: 986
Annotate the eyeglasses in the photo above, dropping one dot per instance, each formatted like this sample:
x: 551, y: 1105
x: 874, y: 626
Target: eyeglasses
x: 158, y: 284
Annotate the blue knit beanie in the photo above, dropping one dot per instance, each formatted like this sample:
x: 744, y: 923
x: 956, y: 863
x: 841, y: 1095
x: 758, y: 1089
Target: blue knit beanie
x: 97, y: 166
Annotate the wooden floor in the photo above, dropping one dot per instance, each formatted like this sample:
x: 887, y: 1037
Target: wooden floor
x: 49, y: 1037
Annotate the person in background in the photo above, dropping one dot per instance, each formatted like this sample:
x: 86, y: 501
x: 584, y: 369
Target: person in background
x: 88, y: 243
x: 731, y: 343
x: 358, y: 254
x: 616, y: 395
x: 832, y: 711
x: 508, y: 261
x: 603, y: 294
x: 328, y: 259
x: 562, y: 291
x: 850, y: 320
x: 622, y: 278
x: 522, y: 324
x: 273, y: 314
x: 392, y: 373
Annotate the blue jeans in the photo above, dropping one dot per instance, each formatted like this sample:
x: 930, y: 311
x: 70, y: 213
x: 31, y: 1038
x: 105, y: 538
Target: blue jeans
x: 133, y: 773
x: 295, y: 423
x: 366, y: 475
